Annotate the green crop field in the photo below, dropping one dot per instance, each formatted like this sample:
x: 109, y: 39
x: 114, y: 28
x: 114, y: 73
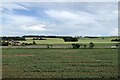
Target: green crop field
x: 59, y: 63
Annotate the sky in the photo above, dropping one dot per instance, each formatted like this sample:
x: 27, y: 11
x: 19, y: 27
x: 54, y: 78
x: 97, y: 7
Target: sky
x: 60, y: 18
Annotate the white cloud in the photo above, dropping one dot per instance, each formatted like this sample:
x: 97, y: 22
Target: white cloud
x: 61, y: 14
x: 0, y: 5
x: 19, y: 23
x: 21, y: 19
x: 61, y: 19
x: 85, y: 23
x: 23, y: 25
x: 11, y: 6
x: 36, y: 27
x: 78, y: 16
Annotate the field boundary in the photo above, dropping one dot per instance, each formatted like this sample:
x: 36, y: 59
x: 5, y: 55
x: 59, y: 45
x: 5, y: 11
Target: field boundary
x: 44, y: 47
x: 111, y: 78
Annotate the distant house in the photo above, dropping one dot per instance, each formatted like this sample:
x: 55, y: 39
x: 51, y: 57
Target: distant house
x: 14, y: 43
x: 17, y: 43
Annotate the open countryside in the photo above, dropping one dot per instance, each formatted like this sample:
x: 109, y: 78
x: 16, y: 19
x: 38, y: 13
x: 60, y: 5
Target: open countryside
x: 60, y: 40
x: 61, y: 59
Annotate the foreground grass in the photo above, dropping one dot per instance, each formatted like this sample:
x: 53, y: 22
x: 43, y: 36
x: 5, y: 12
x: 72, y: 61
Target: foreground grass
x: 59, y: 63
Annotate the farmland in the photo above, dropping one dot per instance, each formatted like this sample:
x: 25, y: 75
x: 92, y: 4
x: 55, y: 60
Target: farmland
x: 59, y: 43
x: 59, y: 63
x: 81, y: 40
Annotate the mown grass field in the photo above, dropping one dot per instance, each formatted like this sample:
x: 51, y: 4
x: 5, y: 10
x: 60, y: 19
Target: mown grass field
x: 59, y: 63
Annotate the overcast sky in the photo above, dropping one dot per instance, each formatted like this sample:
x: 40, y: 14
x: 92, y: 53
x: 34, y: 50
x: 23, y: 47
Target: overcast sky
x: 60, y: 18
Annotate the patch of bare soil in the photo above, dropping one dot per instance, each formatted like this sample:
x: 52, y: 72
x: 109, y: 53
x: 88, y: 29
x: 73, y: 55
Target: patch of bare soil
x: 23, y: 55
x: 17, y: 55
x: 7, y: 56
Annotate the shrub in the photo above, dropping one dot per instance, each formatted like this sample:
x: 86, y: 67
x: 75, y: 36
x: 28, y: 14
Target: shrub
x: 48, y: 46
x: 84, y: 46
x: 34, y: 42
x: 91, y: 45
x: 117, y: 45
x: 75, y: 46
x: 23, y: 44
x: 51, y: 46
x: 5, y: 43
x: 115, y: 39
x: 30, y: 44
x: 26, y: 43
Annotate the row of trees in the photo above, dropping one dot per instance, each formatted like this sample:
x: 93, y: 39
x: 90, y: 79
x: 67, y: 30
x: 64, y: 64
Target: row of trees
x: 70, y: 39
x: 115, y: 39
x: 76, y: 45
x: 26, y: 44
x: 13, y: 38
x: 39, y: 38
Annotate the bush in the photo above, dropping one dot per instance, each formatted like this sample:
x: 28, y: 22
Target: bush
x: 75, y: 46
x: 5, y: 43
x: 91, y: 45
x: 117, y: 45
x: 30, y: 44
x: 24, y: 44
x: 34, y: 42
x: 115, y: 39
x: 84, y: 46
x: 49, y: 46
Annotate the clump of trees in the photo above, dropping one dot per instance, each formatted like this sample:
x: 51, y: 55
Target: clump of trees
x: 76, y: 46
x: 13, y: 38
x: 117, y: 45
x: 90, y: 37
x: 91, y: 45
x: 115, y: 39
x: 5, y: 43
x: 39, y: 38
x: 70, y: 39
x: 49, y: 45
x: 26, y: 44
x: 84, y: 46
x: 34, y: 42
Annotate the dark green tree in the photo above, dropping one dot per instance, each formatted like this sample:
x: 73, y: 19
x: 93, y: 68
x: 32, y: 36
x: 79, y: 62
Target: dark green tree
x: 48, y: 46
x: 34, y: 42
x: 84, y: 46
x: 91, y: 45
x: 75, y: 46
